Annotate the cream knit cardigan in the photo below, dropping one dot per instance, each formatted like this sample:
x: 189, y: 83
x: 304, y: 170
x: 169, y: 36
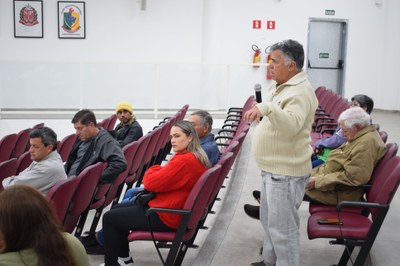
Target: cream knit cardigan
x: 281, y: 143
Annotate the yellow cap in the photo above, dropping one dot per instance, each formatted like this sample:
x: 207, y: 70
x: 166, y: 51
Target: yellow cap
x: 124, y: 106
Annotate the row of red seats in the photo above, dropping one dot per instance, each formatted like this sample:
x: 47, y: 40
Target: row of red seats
x: 87, y: 193
x: 201, y: 199
x: 356, y: 224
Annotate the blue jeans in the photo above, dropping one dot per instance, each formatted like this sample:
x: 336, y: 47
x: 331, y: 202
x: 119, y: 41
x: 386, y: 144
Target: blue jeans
x: 129, y: 194
x: 281, y: 197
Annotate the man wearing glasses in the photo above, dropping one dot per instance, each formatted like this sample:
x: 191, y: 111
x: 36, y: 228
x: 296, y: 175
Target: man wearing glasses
x: 94, y: 145
x: 282, y: 150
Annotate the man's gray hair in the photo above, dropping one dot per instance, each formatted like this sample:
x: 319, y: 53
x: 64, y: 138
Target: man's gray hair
x: 355, y: 116
x: 205, y: 118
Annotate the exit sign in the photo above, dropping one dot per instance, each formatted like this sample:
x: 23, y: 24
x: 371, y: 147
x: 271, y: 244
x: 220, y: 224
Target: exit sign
x: 329, y: 12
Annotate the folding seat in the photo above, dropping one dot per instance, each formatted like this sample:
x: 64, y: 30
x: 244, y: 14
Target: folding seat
x: 107, y: 194
x: 60, y: 196
x: 320, y: 91
x: 192, y: 212
x: 7, y: 144
x: 23, y: 161
x: 65, y: 146
x: 40, y: 125
x: 113, y: 121
x: 134, y: 170
x: 148, y: 155
x: 383, y: 135
x: 356, y: 229
x: 104, y: 123
x: 164, y: 133
x: 391, y: 151
x: 7, y: 168
x: 83, y: 195
x: 241, y: 110
x: 166, y: 145
x: 22, y: 143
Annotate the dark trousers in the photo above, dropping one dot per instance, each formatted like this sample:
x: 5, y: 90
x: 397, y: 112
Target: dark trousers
x: 119, y: 221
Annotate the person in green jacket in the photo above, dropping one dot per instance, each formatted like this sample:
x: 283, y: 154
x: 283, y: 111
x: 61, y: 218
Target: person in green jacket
x: 30, y: 233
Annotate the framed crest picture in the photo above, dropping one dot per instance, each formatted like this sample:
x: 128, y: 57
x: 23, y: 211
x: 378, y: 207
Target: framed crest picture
x: 71, y: 20
x: 28, y: 19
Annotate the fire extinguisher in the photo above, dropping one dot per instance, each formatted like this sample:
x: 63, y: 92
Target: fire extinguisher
x: 267, y: 52
x: 256, y: 56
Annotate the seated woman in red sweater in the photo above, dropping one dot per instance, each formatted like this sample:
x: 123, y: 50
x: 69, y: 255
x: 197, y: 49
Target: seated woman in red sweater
x: 172, y: 183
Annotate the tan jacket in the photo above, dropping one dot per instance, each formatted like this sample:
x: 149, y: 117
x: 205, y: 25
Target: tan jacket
x: 347, y: 167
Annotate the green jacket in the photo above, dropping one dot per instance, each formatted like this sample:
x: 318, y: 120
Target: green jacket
x: 29, y: 258
x: 348, y: 167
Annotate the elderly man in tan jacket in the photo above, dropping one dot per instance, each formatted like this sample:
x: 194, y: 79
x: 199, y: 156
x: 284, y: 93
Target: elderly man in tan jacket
x: 350, y: 165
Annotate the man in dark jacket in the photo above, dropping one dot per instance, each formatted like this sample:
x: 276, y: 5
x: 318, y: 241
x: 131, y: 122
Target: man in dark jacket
x: 128, y: 130
x: 94, y: 145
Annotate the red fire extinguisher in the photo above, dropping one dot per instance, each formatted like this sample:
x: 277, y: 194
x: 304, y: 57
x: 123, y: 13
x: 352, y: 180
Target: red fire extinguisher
x: 267, y: 52
x: 256, y: 56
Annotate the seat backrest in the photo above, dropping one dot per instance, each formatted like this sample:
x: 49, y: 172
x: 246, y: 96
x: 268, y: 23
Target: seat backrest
x: 66, y: 145
x: 60, y: 195
x: 391, y: 150
x: 104, y: 123
x: 385, y: 185
x: 23, y: 162
x: 129, y: 153
x: 248, y: 104
x: 22, y: 143
x: 383, y: 135
x: 113, y: 120
x: 7, y: 168
x: 226, y: 162
x: 40, y: 125
x: 199, y: 195
x: 137, y: 159
x: 183, y: 112
x: 7, y: 144
x: 84, y: 193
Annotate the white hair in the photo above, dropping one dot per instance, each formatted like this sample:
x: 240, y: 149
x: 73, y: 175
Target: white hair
x: 355, y: 116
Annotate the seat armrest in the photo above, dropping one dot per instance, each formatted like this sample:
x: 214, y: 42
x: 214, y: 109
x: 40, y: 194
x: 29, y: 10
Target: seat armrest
x: 360, y: 204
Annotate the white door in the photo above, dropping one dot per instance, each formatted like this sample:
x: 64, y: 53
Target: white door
x: 326, y: 53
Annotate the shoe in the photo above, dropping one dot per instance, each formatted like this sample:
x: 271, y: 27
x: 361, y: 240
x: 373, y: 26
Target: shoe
x: 260, y: 263
x: 257, y: 195
x: 252, y: 211
x: 89, y: 241
x: 95, y: 250
x: 123, y: 262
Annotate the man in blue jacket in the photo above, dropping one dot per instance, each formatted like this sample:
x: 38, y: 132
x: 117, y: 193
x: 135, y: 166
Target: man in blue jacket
x: 202, y: 123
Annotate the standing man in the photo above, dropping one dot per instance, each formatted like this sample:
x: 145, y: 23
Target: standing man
x: 94, y: 145
x: 282, y: 150
x: 46, y: 168
x: 128, y: 130
x: 202, y: 123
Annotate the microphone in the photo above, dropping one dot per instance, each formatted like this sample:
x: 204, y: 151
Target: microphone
x: 257, y: 89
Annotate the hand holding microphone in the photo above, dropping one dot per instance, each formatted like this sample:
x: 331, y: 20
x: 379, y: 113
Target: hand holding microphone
x: 254, y: 114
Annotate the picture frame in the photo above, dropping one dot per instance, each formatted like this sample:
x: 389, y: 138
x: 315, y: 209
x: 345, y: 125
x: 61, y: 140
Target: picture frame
x: 71, y: 20
x: 28, y: 19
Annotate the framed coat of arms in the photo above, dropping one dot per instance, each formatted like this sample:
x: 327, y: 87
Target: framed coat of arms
x: 71, y: 20
x: 28, y: 19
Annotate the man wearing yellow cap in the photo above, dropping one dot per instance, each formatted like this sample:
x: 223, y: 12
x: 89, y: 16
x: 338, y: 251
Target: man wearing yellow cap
x: 128, y: 130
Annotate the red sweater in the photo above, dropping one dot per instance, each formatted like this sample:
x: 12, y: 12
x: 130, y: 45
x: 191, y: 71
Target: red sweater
x: 173, y: 183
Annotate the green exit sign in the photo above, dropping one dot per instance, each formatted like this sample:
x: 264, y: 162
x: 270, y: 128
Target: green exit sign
x: 329, y: 12
x: 323, y: 55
